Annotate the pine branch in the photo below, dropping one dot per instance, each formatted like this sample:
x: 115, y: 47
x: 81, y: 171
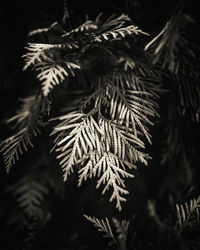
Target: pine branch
x: 78, y: 143
x: 171, y: 47
x: 102, y: 226
x: 188, y: 213
x: 86, y: 144
x: 27, y: 122
x: 30, y: 195
x: 82, y: 140
x: 15, y: 145
x: 54, y: 70
x: 37, y: 53
x: 112, y: 21
x: 86, y: 26
x: 129, y: 109
x: 54, y: 26
x: 104, y: 136
x: 110, y: 170
x: 106, y: 140
x: 119, y: 33
x: 52, y: 74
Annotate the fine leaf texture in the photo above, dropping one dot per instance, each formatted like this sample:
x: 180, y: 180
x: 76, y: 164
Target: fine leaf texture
x: 106, y: 135
x: 52, y: 74
x: 15, y: 145
x: 27, y: 123
x: 188, y: 213
x: 117, y: 33
x: 36, y: 53
x: 171, y: 47
x: 102, y: 226
x: 30, y: 194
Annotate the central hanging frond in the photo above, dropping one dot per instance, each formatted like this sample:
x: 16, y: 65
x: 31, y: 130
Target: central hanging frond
x: 105, y: 136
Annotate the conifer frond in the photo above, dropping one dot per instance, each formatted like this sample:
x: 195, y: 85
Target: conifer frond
x: 100, y: 148
x: 119, y: 33
x: 128, y: 63
x: 13, y: 146
x: 188, y: 213
x: 171, y: 46
x: 30, y: 195
x: 121, y: 228
x: 113, y: 21
x: 36, y: 53
x: 188, y: 91
x: 42, y: 30
x: 130, y: 109
x: 86, y: 26
x: 75, y: 141
x: 102, y: 226
x: 106, y: 148
x: 104, y: 137
x: 115, y: 28
x: 52, y: 74
x: 27, y: 122
x: 144, y: 80
x: 111, y: 172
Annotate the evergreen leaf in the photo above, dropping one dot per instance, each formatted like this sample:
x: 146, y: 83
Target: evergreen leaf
x: 30, y: 195
x: 27, y: 122
x: 119, y: 33
x: 52, y: 74
x: 102, y: 226
x: 171, y: 47
x: 188, y: 213
x: 86, y: 26
x: 36, y: 53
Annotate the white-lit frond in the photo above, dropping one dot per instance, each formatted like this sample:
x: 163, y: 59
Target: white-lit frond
x: 119, y: 33
x: 14, y: 145
x: 111, y: 173
x: 78, y: 138
x: 36, y: 53
x: 188, y: 213
x: 102, y: 226
x: 27, y: 122
x: 131, y: 110
x: 52, y: 74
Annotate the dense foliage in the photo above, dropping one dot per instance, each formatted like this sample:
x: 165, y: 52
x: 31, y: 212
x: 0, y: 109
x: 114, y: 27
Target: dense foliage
x: 100, y: 125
